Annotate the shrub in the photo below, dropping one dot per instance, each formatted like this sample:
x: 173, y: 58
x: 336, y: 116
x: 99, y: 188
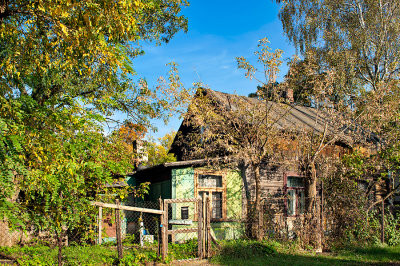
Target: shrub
x: 186, y: 250
x: 247, y: 248
x: 139, y: 257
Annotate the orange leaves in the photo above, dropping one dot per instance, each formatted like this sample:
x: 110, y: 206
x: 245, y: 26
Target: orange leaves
x: 130, y: 132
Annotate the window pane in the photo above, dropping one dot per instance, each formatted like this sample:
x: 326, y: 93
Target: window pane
x: 302, y: 201
x: 291, y: 202
x: 293, y: 181
x: 210, y: 180
x: 201, y: 193
x: 184, y: 213
x: 217, y: 205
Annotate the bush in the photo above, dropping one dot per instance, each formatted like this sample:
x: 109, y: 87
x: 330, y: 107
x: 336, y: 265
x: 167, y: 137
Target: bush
x: 247, y: 249
x: 186, y: 250
x: 392, y: 224
x: 139, y: 257
x: 129, y: 239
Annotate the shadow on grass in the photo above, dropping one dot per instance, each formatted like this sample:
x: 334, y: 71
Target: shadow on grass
x: 366, y: 256
x: 283, y: 259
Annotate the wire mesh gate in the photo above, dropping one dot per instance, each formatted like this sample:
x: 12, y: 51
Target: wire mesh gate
x: 185, y: 219
x: 181, y: 220
x: 118, y: 226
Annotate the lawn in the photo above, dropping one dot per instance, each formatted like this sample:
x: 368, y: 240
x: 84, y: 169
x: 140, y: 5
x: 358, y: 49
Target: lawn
x: 233, y: 253
x: 289, y: 256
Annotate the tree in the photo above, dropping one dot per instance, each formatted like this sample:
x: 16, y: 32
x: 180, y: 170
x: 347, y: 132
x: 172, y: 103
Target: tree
x: 245, y: 131
x: 358, y: 38
x: 65, y: 69
x: 359, y: 41
x: 157, y: 152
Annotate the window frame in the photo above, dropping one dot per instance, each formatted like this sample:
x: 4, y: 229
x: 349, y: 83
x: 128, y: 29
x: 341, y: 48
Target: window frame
x: 210, y: 190
x: 297, y: 193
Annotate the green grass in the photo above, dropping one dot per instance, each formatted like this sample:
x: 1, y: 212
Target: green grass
x: 239, y: 252
x: 73, y: 255
x: 290, y: 256
x: 98, y: 255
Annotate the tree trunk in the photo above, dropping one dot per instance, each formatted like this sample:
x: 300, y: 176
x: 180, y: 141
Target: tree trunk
x: 311, y: 189
x: 59, y: 242
x: 258, y: 211
x: 312, y: 217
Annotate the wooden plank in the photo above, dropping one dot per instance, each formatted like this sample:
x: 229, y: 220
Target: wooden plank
x: 165, y: 228
x: 204, y: 227
x: 209, y: 213
x: 180, y: 200
x: 127, y: 208
x: 100, y: 224
x: 182, y: 230
x: 183, y: 163
x: 199, y: 228
x: 118, y: 231
x: 215, y: 241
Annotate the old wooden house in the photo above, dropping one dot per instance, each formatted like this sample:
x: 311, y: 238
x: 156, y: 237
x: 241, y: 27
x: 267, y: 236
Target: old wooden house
x: 232, y: 186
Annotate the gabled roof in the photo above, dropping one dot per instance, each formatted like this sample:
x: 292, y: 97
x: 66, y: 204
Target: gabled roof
x: 285, y: 116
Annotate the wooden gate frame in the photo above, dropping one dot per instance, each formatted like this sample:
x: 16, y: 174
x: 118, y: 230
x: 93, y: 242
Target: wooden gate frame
x: 203, y: 229
x: 117, y: 208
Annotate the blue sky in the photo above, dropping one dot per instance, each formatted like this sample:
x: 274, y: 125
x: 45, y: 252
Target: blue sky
x: 219, y: 31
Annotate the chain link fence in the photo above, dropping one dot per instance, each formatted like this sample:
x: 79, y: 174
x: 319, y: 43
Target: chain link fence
x: 83, y: 243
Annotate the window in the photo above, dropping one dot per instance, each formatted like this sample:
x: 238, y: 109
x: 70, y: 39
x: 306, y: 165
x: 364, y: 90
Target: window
x: 184, y: 213
x: 213, y: 185
x: 210, y: 180
x: 295, y: 195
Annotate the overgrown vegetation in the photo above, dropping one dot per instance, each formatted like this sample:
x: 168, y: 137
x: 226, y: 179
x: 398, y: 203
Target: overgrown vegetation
x: 249, y: 252
x: 42, y: 254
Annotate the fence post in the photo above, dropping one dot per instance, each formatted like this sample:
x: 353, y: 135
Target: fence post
x: 383, y: 221
x: 200, y: 227
x: 100, y: 223
x: 160, y: 225
x: 141, y: 229
x: 164, y: 231
x: 118, y: 230
x: 204, y: 224
x: 209, y: 213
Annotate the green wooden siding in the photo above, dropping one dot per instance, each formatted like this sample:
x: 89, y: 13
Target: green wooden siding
x: 234, y: 187
x: 183, y: 187
x: 160, y: 189
x: 182, y: 183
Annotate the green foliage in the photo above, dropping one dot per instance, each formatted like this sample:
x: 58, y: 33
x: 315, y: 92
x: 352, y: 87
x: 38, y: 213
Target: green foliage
x: 158, y: 151
x: 186, y: 250
x: 366, y: 231
x: 345, y: 36
x: 73, y: 255
x: 247, y: 249
x: 288, y: 253
x: 139, y: 256
x: 392, y: 226
x: 65, y: 69
x: 129, y: 239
